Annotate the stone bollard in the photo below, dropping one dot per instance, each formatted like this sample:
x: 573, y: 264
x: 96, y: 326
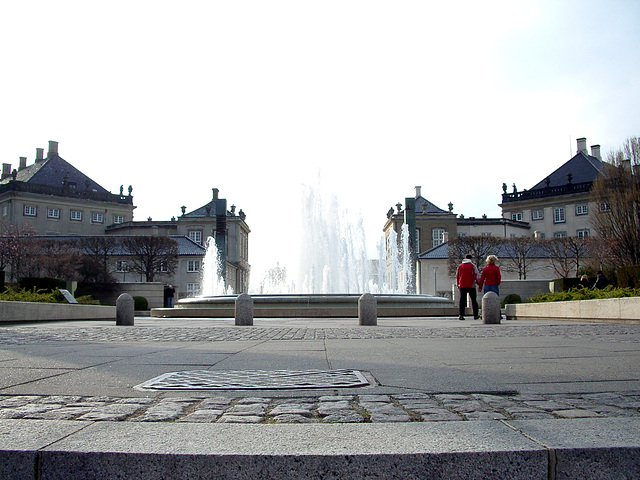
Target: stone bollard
x: 124, y: 309
x: 244, y: 309
x: 491, y: 308
x: 368, y: 309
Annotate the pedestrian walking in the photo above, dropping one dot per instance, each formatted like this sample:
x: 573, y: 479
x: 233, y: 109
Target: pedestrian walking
x: 466, y: 279
x: 490, y: 277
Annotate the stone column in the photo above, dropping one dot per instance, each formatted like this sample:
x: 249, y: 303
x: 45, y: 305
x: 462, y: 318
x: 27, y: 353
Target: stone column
x: 124, y: 309
x: 368, y: 310
x: 244, y: 309
x: 490, y: 308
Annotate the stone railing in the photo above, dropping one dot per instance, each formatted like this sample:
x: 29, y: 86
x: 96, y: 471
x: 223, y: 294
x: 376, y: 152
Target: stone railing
x: 622, y: 310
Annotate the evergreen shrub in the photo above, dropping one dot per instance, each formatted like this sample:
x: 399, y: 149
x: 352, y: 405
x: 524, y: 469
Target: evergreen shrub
x: 140, y: 303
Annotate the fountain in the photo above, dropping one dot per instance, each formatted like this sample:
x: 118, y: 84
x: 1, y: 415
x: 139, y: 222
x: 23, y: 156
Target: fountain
x: 334, y: 272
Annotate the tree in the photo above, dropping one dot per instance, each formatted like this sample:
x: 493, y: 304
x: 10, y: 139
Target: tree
x: 151, y: 254
x: 16, y: 245
x: 479, y: 247
x: 617, y: 194
x: 566, y: 254
x: 57, y: 258
x: 518, y: 255
x: 97, y: 252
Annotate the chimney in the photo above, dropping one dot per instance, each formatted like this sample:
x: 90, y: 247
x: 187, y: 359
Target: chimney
x: 418, y: 191
x: 23, y: 163
x: 6, y: 170
x: 595, y: 152
x: 445, y: 237
x: 582, y: 145
x: 215, y: 193
x: 39, y: 154
x: 53, y: 148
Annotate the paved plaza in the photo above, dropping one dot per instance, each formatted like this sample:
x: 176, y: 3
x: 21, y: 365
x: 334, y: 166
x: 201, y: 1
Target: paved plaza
x: 438, y: 374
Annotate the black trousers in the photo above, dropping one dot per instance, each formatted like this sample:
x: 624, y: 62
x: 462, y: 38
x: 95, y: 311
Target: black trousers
x: 463, y: 300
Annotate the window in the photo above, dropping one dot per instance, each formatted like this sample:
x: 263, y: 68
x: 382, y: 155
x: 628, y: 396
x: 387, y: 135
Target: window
x: 53, y: 213
x: 76, y: 215
x: 122, y: 266
x: 193, y: 288
x: 583, y: 233
x: 97, y: 218
x: 193, y: 266
x: 605, y: 207
x: 582, y: 209
x: 560, y: 234
x: 558, y: 215
x: 485, y: 234
x: 516, y: 216
x: 29, y: 211
x: 5, y: 210
x: 163, y: 267
x: 417, y: 249
x: 118, y: 219
x: 462, y: 234
x: 537, y: 214
x: 437, y: 235
x: 196, y: 236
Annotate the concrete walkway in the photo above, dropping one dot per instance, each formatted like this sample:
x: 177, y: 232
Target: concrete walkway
x: 446, y: 399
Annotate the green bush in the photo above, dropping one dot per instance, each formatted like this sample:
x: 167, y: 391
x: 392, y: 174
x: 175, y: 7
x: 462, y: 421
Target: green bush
x: 511, y: 298
x: 40, y: 296
x: 140, y: 303
x: 585, y: 294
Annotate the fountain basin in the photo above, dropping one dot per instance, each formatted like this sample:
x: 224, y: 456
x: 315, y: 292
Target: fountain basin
x: 309, y: 306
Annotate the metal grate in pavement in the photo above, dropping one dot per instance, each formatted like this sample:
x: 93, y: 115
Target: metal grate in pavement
x: 254, y: 379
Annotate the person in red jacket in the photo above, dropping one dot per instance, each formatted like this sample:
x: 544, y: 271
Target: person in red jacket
x: 490, y: 277
x: 466, y: 279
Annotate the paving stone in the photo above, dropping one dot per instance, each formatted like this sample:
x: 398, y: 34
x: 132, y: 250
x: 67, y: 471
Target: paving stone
x: 440, y: 415
x: 247, y: 409
x: 253, y: 400
x: 18, y: 401
x: 215, y: 401
x: 202, y: 416
x: 326, y: 408
x: 226, y: 418
x: 540, y: 415
x: 293, y: 418
x: 344, y: 417
x: 374, y: 398
x: 547, y: 405
x: 64, y: 413
x: 293, y: 409
x: 335, y: 398
x: 60, y: 399
x: 411, y: 396
x: 576, y: 413
x: 485, y: 416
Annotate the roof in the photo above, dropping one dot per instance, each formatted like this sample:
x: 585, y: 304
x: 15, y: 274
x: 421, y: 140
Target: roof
x: 422, y: 205
x: 441, y: 252
x: 54, y: 171
x: 583, y: 168
x: 186, y: 246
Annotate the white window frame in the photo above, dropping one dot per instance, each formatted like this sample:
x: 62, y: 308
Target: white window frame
x: 583, y: 233
x: 76, y: 215
x: 122, y: 266
x: 516, y: 216
x: 560, y: 234
x: 196, y: 236
x: 30, y: 211
x: 582, y: 209
x: 604, y: 207
x: 53, y: 213
x: 118, y: 219
x: 5, y: 210
x: 193, y: 266
x: 537, y: 214
x: 559, y: 215
x: 437, y: 236
x: 163, y: 267
x: 97, y: 217
x: 193, y: 288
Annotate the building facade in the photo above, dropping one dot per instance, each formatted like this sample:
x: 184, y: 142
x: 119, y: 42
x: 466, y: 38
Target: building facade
x: 56, y: 199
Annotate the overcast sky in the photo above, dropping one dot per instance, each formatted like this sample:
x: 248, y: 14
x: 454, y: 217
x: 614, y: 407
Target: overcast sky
x: 259, y: 98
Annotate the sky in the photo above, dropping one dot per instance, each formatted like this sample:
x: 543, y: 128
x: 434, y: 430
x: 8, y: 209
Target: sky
x: 362, y: 99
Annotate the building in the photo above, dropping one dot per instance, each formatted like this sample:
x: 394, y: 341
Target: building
x: 560, y: 204
x: 56, y: 199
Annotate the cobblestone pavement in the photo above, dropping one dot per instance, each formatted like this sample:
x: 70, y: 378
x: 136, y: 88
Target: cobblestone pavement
x: 405, y: 407
x: 39, y: 334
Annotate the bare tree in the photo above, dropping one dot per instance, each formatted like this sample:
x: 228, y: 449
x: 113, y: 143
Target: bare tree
x: 617, y: 194
x: 567, y: 254
x: 97, y: 252
x: 57, y: 258
x: 479, y: 247
x: 152, y: 254
x: 518, y: 255
x: 16, y: 245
